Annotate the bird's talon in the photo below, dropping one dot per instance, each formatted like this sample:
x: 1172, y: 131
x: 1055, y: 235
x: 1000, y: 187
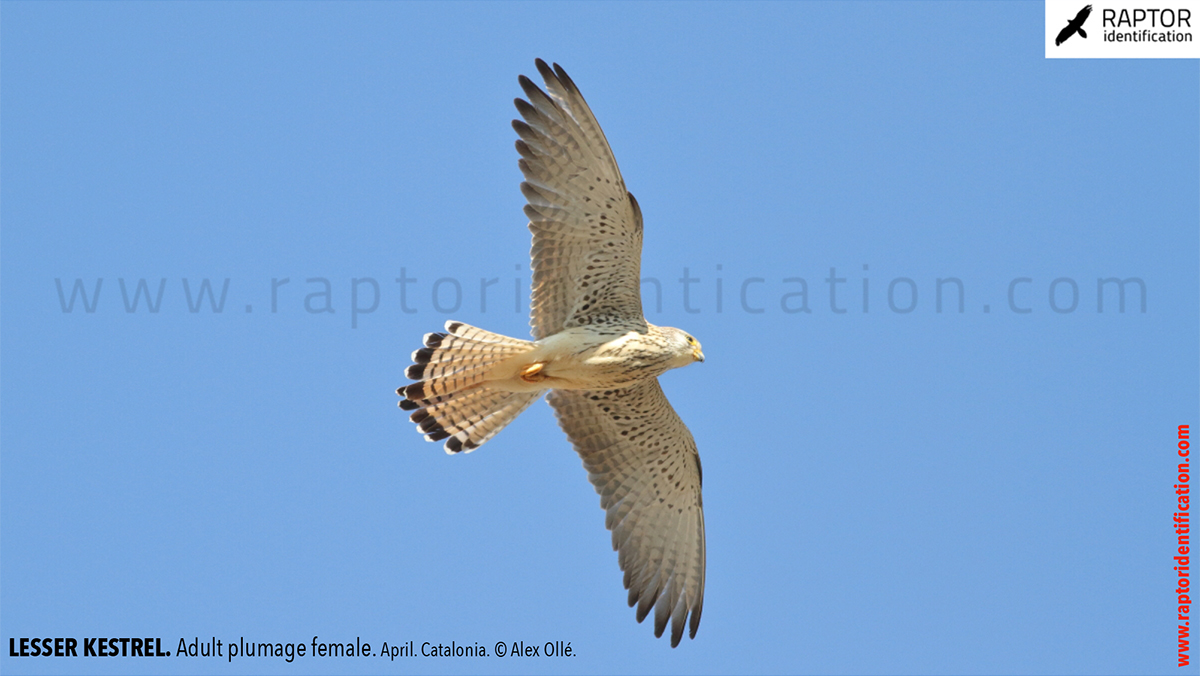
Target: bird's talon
x: 533, y: 373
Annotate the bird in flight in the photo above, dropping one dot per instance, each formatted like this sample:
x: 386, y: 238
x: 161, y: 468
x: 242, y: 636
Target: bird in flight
x: 1074, y: 26
x: 593, y: 352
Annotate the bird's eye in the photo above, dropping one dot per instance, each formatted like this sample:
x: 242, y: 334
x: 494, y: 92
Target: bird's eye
x: 691, y: 340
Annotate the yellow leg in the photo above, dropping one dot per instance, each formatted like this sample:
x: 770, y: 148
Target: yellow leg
x: 533, y: 372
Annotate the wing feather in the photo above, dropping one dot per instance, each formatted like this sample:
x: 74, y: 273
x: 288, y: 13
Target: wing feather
x: 643, y: 462
x: 587, y: 228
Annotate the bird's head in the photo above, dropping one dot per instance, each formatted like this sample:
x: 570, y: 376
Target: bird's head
x: 686, y: 348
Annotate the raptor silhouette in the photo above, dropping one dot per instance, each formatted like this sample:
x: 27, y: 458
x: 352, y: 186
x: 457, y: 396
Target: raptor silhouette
x: 1074, y: 26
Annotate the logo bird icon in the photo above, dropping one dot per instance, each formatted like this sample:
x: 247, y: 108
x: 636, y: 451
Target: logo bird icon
x: 1074, y: 26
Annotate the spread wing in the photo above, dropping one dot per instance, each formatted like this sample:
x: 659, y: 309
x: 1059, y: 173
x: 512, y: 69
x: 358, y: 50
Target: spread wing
x: 1082, y: 15
x: 587, y: 229
x: 642, y: 460
x: 1064, y: 34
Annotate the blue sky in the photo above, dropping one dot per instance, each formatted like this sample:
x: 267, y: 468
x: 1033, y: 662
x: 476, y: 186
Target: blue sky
x: 886, y: 491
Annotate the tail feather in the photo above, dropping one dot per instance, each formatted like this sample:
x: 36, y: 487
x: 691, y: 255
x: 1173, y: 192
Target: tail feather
x: 460, y: 411
x: 458, y: 359
x: 450, y: 400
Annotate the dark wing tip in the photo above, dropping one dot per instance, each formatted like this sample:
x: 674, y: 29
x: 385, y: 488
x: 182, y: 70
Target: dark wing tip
x: 523, y: 130
x: 531, y: 90
x: 526, y: 110
x: 409, y: 405
x: 637, y: 212
x: 544, y: 70
x: 565, y: 79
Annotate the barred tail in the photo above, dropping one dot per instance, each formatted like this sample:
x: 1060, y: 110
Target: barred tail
x: 449, y: 401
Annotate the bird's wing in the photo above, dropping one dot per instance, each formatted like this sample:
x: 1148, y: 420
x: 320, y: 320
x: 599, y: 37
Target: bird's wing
x: 587, y: 229
x: 1082, y: 15
x: 1064, y: 34
x: 642, y: 460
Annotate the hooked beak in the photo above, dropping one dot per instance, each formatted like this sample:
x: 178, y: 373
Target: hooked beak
x: 697, y: 354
